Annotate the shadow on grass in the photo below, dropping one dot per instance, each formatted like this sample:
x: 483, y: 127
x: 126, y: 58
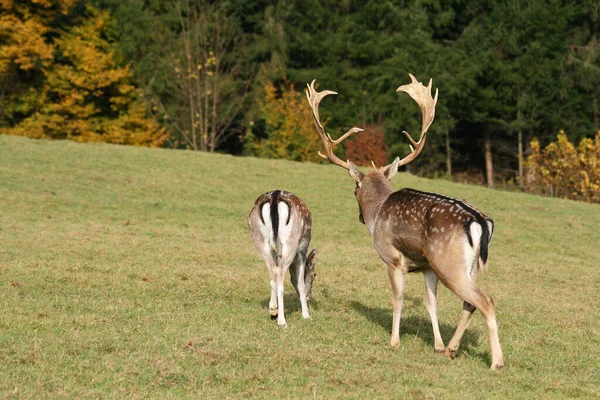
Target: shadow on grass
x: 421, y: 327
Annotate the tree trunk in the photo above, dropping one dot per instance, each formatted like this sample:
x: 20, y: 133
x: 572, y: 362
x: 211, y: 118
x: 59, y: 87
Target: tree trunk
x: 200, y: 69
x: 186, y: 37
x: 521, y: 177
x: 215, y: 88
x: 448, y: 156
x: 206, y: 46
x: 489, y: 167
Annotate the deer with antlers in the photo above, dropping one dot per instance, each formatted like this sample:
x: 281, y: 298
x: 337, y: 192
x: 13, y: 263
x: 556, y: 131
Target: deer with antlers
x: 446, y: 239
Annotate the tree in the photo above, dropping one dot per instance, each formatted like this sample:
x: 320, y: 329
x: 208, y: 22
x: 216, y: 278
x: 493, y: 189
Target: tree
x: 208, y: 92
x: 24, y: 51
x: 368, y: 146
x: 563, y: 170
x: 289, y: 126
x: 506, y: 70
x: 79, y: 90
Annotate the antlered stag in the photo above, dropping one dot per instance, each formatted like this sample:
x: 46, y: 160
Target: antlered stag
x: 446, y: 239
x: 280, y: 226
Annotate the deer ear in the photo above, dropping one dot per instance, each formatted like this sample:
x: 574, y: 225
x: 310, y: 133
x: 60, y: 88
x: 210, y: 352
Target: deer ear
x: 354, y: 172
x: 390, y: 171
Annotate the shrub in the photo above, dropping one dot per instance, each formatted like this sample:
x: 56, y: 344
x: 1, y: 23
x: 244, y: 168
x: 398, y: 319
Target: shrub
x: 368, y: 146
x: 563, y: 170
x: 289, y: 126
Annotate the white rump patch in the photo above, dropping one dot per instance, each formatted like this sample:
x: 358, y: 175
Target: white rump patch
x: 266, y: 216
x: 476, y: 232
x: 472, y: 251
x: 284, y: 230
x: 266, y: 230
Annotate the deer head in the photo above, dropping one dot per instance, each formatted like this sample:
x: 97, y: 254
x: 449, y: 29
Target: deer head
x: 309, y: 272
x: 375, y: 185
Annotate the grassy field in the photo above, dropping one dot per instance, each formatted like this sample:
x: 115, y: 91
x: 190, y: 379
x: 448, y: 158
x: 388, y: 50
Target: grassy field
x: 129, y: 273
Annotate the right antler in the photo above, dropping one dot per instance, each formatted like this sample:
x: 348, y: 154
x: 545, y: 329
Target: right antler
x: 422, y: 95
x: 314, y: 98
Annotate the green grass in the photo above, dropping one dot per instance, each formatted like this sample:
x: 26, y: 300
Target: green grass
x: 129, y: 272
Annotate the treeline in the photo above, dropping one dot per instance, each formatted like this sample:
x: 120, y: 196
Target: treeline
x: 228, y: 76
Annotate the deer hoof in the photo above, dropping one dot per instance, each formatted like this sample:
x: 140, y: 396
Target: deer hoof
x: 440, y: 351
x: 451, y: 353
x: 282, y: 322
x: 497, y: 367
x: 274, y: 312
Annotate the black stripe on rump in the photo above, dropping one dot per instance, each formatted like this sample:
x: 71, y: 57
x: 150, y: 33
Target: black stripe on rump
x: 275, y: 198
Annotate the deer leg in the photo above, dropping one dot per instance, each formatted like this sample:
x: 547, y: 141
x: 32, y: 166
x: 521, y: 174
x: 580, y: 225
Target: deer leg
x: 272, y: 268
x: 297, y: 272
x: 273, y: 310
x: 431, y: 282
x: 494, y: 338
x: 476, y: 298
x: 300, y: 266
x: 463, y: 323
x: 285, y: 260
x: 397, y: 280
x: 465, y: 317
x: 279, y: 280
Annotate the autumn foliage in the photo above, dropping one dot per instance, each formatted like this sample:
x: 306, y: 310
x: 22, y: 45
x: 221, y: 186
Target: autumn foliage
x: 75, y: 88
x: 563, y: 170
x: 289, y: 126
x: 368, y: 146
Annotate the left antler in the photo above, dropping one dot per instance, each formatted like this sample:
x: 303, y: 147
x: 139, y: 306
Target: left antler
x: 422, y: 95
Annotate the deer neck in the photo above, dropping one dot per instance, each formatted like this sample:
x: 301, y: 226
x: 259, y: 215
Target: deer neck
x: 372, y: 195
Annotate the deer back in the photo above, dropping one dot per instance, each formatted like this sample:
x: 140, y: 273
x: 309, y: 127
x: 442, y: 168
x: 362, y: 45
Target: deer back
x: 425, y: 226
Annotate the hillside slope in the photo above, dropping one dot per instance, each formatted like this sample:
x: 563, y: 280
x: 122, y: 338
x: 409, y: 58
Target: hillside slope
x: 129, y: 272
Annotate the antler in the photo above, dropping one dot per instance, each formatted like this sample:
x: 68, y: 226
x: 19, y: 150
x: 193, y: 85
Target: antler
x: 314, y: 98
x: 422, y: 95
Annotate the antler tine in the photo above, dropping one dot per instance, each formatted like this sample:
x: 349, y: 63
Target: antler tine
x: 314, y: 98
x: 422, y: 95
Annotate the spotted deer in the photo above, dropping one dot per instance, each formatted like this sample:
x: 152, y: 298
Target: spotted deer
x: 280, y: 226
x: 446, y: 239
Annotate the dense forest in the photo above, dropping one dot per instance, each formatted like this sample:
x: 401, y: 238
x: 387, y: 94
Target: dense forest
x: 228, y: 76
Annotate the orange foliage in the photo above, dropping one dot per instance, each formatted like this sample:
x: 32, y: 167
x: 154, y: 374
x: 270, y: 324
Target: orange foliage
x: 368, y: 146
x: 23, y: 32
x: 565, y: 170
x: 84, y: 94
x: 290, y: 126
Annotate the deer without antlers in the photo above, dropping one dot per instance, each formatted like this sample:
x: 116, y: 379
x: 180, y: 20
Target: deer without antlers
x: 280, y: 226
x: 446, y: 239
